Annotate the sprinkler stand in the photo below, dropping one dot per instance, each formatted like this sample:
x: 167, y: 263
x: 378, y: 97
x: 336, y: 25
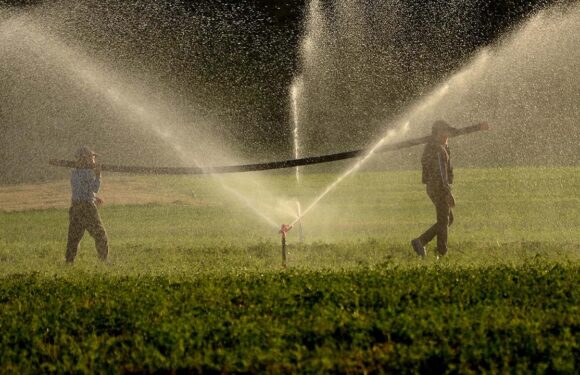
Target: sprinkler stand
x: 284, y: 229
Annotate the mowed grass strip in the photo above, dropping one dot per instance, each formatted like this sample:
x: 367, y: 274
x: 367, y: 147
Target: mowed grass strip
x: 432, y: 319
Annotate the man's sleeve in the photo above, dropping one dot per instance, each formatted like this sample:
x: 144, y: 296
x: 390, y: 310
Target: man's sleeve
x: 442, y: 164
x: 95, y: 184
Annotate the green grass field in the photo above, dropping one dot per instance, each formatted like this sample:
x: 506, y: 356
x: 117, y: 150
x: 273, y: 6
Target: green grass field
x: 195, y: 281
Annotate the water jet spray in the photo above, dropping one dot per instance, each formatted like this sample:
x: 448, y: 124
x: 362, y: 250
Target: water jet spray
x: 295, y: 91
x: 380, y: 147
x: 285, y: 228
x: 30, y: 36
x: 300, y: 230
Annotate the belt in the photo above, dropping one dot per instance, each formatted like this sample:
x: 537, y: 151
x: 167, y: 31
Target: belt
x: 82, y: 202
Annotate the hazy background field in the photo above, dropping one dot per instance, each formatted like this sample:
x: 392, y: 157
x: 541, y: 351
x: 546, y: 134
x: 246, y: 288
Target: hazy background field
x: 186, y: 225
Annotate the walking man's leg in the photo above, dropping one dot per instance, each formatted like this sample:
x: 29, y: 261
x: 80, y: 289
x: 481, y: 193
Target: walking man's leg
x: 429, y: 234
x: 97, y: 231
x: 76, y: 230
x: 439, y: 229
x: 443, y: 216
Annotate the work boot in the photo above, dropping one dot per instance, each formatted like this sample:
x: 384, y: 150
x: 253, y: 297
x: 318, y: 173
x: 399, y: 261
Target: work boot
x: 418, y: 247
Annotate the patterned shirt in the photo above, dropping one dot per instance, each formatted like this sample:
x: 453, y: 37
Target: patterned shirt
x: 84, y: 185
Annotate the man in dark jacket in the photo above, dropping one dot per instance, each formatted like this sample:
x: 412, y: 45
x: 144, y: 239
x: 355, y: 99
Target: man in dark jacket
x: 437, y: 175
x: 83, y: 213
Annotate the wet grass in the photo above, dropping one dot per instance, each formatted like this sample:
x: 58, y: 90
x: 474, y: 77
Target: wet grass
x: 503, y: 215
x: 197, y: 284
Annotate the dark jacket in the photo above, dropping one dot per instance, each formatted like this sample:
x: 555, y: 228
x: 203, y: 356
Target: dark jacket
x: 436, y: 164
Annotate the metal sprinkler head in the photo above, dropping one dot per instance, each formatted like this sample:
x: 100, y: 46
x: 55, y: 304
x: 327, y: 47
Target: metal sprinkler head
x: 284, y: 229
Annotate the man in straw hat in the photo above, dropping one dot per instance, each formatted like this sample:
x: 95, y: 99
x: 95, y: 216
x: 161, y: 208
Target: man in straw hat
x: 83, y: 213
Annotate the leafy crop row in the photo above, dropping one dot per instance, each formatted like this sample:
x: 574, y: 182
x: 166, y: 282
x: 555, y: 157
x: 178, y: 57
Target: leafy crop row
x: 424, y: 319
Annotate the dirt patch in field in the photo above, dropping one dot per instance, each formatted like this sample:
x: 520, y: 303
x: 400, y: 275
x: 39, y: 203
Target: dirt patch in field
x: 116, y: 190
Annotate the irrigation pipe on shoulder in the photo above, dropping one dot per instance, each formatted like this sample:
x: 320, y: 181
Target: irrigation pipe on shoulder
x: 265, y: 166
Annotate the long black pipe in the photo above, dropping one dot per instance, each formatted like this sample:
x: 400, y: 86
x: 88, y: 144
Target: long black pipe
x: 265, y: 166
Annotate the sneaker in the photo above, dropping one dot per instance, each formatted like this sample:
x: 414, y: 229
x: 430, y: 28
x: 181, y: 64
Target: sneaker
x: 418, y: 247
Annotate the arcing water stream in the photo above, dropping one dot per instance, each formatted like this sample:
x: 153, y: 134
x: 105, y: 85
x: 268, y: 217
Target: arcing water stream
x: 295, y: 91
x: 526, y: 87
x: 23, y: 37
x: 27, y: 35
x: 295, y: 98
x: 455, y: 82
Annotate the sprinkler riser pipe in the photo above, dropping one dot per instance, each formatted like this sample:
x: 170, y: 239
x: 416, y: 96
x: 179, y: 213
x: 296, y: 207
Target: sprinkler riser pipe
x: 284, y: 257
x: 284, y: 229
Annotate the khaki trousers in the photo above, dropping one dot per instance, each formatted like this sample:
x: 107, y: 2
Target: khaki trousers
x: 85, y: 216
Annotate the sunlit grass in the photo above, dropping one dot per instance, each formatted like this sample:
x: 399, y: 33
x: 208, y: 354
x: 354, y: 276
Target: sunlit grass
x: 195, y: 283
x: 503, y: 215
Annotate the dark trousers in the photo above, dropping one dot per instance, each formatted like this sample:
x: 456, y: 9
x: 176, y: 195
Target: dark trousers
x: 84, y: 216
x: 444, y: 220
